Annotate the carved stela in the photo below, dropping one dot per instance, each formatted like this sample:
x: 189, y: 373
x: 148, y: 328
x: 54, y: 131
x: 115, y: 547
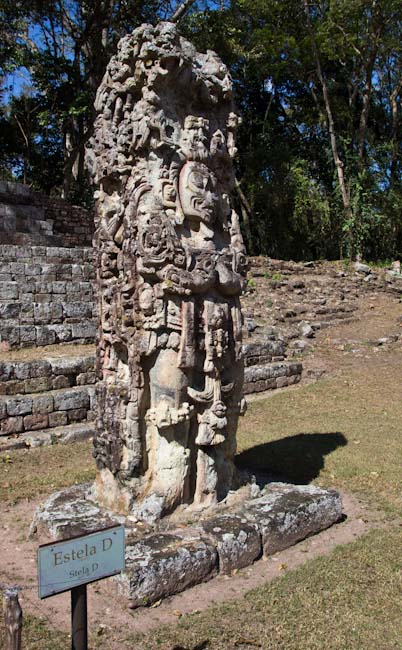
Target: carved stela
x: 171, y: 266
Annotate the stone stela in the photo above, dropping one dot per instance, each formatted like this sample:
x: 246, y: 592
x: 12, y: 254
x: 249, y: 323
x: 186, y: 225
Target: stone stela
x: 171, y: 266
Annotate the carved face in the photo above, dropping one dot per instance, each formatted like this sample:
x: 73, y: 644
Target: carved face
x: 198, y: 192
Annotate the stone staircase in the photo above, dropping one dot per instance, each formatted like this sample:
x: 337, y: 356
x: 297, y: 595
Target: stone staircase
x: 266, y: 365
x: 29, y: 218
x: 47, y: 399
x: 46, y: 296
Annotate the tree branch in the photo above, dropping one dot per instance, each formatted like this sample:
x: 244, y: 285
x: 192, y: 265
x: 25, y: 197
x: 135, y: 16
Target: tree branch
x: 181, y: 10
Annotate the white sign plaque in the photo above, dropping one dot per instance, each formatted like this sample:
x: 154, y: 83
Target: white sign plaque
x: 80, y: 560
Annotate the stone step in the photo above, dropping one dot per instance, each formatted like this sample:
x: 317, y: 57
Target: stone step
x: 28, y: 239
x: 64, y: 434
x: 262, y: 352
x: 46, y: 410
x: 49, y: 373
x: 14, y: 336
x: 46, y: 312
x: 45, y: 254
x: 270, y: 376
x: 49, y: 271
x: 44, y: 290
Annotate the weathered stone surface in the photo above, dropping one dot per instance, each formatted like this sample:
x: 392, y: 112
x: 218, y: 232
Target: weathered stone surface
x: 237, y: 540
x: 159, y: 564
x: 171, y: 266
x: 165, y: 564
x: 57, y: 418
x: 20, y: 405
x: 37, y: 421
x: 69, y: 512
x: 12, y: 425
x: 286, y: 514
x: 71, y: 399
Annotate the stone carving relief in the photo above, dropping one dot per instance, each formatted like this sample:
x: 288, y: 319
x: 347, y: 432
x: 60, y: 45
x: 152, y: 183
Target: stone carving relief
x: 171, y: 267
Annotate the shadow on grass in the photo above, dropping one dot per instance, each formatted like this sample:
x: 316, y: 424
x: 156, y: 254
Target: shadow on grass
x: 296, y: 459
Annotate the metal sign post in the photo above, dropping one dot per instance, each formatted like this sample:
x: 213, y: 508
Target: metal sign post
x: 79, y: 625
x: 73, y: 563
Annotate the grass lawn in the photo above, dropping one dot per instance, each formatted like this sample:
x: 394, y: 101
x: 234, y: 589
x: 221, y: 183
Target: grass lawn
x: 344, y: 432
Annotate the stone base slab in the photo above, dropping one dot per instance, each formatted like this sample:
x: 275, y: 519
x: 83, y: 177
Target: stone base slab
x: 168, y: 557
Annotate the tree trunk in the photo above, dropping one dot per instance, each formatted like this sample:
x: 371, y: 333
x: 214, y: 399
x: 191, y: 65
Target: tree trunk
x: 246, y: 213
x: 395, y: 133
x: 331, y: 125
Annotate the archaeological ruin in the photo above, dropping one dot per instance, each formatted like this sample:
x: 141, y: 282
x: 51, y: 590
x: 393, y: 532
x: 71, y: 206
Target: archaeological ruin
x: 171, y: 266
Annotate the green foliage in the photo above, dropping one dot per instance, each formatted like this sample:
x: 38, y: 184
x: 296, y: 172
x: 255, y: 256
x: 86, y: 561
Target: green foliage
x: 285, y: 166
x: 251, y: 285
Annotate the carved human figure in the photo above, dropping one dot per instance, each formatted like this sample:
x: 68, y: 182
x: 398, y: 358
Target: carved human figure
x: 171, y: 268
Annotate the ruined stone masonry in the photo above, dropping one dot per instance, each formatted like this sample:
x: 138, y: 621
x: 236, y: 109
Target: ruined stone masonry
x: 171, y: 266
x: 170, y: 270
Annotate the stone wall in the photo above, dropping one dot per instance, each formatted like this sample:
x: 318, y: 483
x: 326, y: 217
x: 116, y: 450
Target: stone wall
x: 27, y: 217
x: 40, y: 411
x: 266, y: 366
x: 46, y: 296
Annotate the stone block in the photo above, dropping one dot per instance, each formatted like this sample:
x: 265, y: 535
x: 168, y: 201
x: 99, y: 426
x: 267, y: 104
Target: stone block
x: 21, y: 370
x: 11, y: 425
x: 26, y: 297
x: 37, y: 421
x: 38, y: 251
x: 76, y: 415
x: 61, y: 332
x: 33, y: 269
x: 83, y: 432
x: 8, y: 290
x: 66, y: 365
x: 45, y: 335
x: 27, y: 313
x: 61, y: 381
x: 38, y: 385
x: 12, y: 388
x: 3, y: 409
x: 42, y: 404
x: 86, y: 330
x: 77, y: 310
x: 69, y: 512
x: 71, y: 399
x: 20, y: 405
x: 17, y: 268
x: 10, y: 310
x: 279, y: 370
x: 86, y: 378
x: 59, y: 287
x: 164, y: 564
x: 286, y: 514
x: 28, y: 333
x: 10, y: 335
x: 6, y: 370
x: 238, y: 541
x: 39, y: 439
x: 40, y: 368
x: 47, y: 312
x: 57, y: 418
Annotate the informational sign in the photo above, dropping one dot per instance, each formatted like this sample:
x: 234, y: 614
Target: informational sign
x: 80, y: 560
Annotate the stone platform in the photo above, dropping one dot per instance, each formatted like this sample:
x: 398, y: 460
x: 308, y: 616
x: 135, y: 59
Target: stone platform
x: 180, y: 551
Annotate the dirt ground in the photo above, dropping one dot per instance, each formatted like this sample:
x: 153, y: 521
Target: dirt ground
x: 338, y: 351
